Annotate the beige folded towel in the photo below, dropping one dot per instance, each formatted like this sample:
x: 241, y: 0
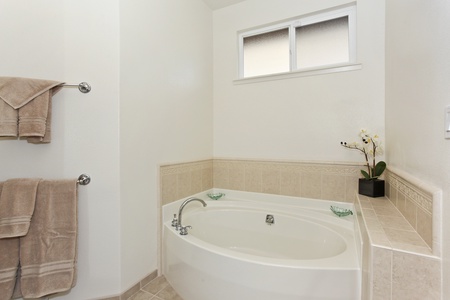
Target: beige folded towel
x: 8, y: 120
x: 9, y: 261
x: 17, y: 201
x: 48, y: 252
x: 8, y: 264
x: 26, y: 107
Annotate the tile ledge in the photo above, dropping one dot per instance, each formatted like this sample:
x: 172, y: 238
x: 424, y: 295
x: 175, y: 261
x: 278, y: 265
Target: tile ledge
x: 400, y: 246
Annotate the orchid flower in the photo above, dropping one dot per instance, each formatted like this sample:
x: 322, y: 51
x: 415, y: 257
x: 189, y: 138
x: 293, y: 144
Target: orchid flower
x: 370, y: 148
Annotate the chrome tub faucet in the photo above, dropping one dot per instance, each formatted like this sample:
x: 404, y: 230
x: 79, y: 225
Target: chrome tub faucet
x: 177, y: 223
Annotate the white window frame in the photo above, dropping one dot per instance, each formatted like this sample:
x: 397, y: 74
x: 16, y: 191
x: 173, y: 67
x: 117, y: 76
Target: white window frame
x: 349, y: 11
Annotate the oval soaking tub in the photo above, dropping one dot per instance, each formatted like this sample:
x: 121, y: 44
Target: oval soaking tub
x: 272, y: 248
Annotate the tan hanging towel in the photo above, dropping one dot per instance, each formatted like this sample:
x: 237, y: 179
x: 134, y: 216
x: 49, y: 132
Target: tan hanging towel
x: 48, y: 253
x: 25, y: 109
x: 43, y: 261
x: 9, y: 262
x: 17, y: 201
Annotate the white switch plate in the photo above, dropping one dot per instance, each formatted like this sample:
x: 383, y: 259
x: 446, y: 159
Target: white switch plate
x: 447, y: 122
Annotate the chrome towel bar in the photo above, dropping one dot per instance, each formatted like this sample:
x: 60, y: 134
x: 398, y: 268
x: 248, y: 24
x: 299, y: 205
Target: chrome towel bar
x: 83, y: 87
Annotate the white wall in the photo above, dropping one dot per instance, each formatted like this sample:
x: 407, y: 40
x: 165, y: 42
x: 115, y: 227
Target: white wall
x: 417, y: 91
x: 302, y: 118
x: 165, y: 112
x: 150, y: 67
x: 72, y: 41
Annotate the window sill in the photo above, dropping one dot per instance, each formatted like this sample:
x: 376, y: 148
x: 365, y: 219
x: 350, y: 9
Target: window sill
x: 301, y: 73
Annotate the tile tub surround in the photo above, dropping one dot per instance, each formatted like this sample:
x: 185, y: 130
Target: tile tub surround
x: 401, y: 232
x: 419, y: 203
x: 317, y: 180
x: 397, y: 263
x: 180, y: 180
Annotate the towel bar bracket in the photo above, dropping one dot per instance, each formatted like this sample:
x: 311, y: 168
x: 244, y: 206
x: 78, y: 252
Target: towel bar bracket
x: 84, y: 87
x: 84, y: 179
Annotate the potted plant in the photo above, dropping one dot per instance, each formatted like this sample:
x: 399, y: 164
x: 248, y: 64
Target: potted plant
x: 370, y: 185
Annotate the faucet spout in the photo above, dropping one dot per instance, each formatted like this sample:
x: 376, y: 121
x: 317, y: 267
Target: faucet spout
x: 185, y: 202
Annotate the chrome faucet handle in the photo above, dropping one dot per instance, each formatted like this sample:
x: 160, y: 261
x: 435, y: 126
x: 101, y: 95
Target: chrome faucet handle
x: 174, y: 221
x: 184, y: 229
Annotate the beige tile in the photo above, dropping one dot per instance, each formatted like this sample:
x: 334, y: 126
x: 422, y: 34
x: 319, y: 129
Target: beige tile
x: 415, y: 277
x: 168, y: 293
x: 382, y: 266
x: 290, y: 184
x: 381, y: 202
x: 412, y: 248
x: 131, y: 291
x: 196, y: 181
x: 388, y: 210
x: 220, y: 175
x: 379, y: 238
x: 253, y: 177
x: 333, y: 187
x: 425, y: 226
x: 396, y: 222
x: 404, y: 237
x: 169, y: 188
x: 207, y: 178
x: 311, y: 185
x: 366, y: 265
x: 184, y: 184
x: 270, y: 179
x: 149, y: 278
x: 369, y: 213
x: 393, y: 195
x: 351, y: 188
x: 410, y: 212
x: 400, y: 203
x: 366, y: 204
x: 156, y: 285
x: 387, y: 189
x: 373, y: 225
x: 236, y: 176
x: 142, y: 295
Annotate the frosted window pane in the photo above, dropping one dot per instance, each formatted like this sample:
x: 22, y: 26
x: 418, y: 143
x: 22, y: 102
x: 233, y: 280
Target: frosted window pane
x: 322, y: 43
x: 266, y: 53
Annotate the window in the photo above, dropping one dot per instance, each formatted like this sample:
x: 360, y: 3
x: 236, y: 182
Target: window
x: 322, y: 40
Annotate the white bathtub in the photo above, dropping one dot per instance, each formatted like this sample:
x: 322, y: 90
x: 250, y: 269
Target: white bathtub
x: 231, y: 253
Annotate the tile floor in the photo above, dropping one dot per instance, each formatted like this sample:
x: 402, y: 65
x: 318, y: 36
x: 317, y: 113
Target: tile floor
x: 157, y: 289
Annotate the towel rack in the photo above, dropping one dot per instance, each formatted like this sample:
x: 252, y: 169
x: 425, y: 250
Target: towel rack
x: 83, y: 87
x: 84, y: 179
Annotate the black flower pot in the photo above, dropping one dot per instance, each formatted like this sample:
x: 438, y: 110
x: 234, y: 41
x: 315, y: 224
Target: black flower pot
x: 371, y: 188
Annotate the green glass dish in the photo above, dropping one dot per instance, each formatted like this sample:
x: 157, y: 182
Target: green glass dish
x: 341, y: 212
x: 215, y: 196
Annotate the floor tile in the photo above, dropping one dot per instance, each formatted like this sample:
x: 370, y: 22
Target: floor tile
x: 168, y: 293
x: 157, y: 289
x: 142, y: 295
x: 156, y: 285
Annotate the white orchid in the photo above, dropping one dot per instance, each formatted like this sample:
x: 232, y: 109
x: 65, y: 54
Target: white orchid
x: 370, y: 148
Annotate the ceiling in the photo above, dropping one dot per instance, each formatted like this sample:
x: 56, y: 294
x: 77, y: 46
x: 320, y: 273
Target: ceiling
x: 217, y: 4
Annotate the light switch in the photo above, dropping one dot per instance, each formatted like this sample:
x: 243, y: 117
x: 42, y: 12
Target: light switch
x: 447, y: 122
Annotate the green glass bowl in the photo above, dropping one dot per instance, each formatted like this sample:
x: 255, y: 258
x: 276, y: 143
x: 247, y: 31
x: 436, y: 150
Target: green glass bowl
x: 341, y: 212
x: 215, y: 196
